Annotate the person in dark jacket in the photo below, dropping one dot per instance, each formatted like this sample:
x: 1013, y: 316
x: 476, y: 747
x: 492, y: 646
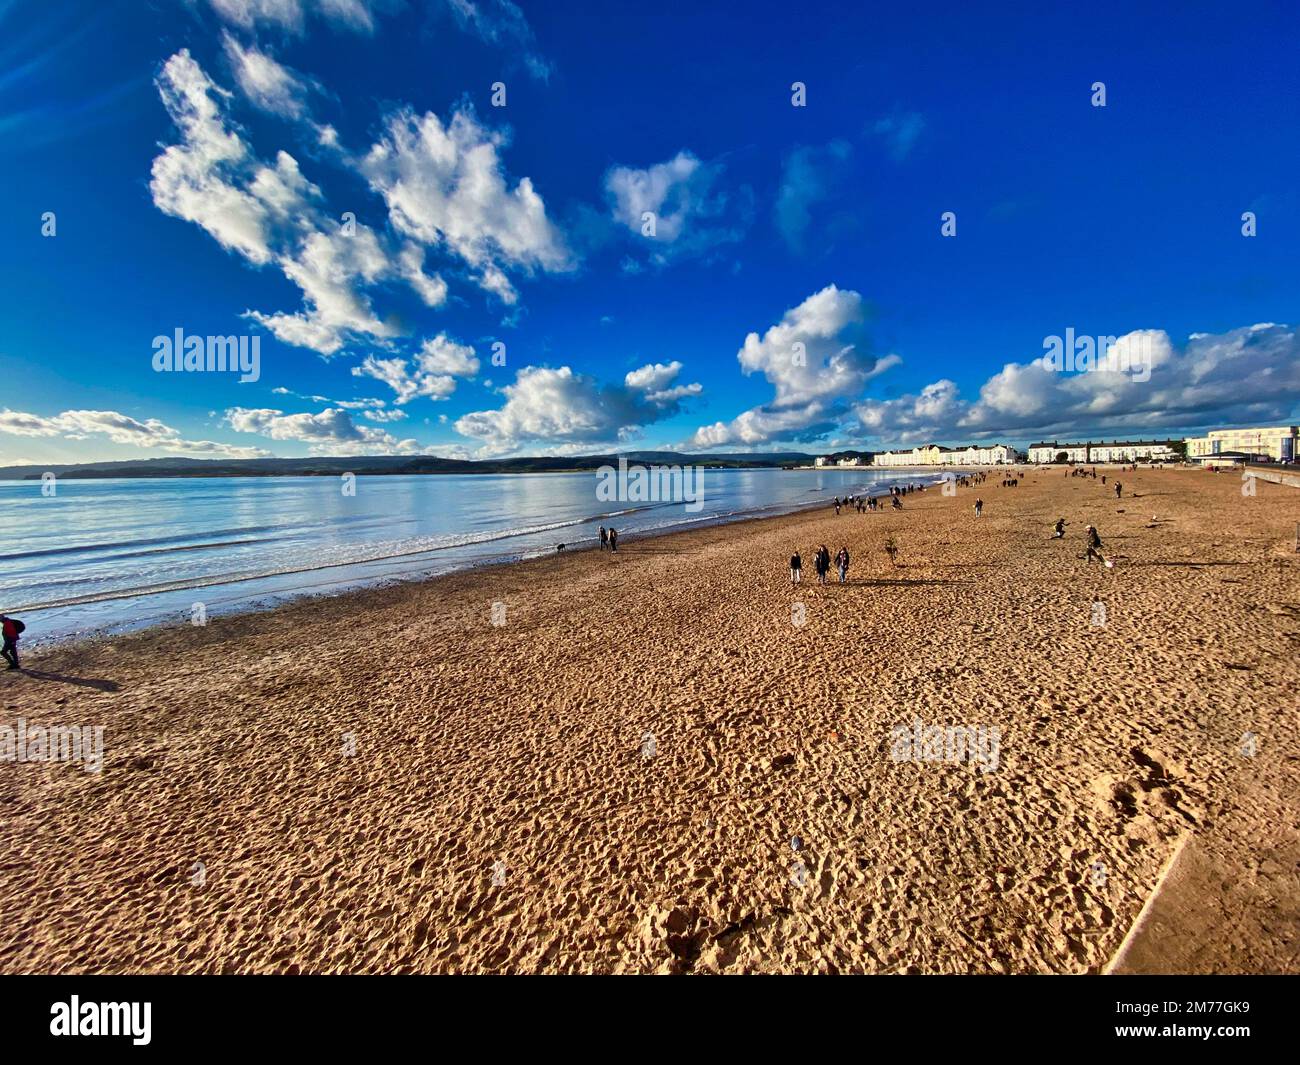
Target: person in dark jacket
x: 11, y: 632
x: 1094, y: 548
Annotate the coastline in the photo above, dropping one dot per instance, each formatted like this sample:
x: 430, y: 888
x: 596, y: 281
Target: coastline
x: 524, y: 744
x: 267, y: 598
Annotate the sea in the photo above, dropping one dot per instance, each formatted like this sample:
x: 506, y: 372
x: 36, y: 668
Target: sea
x: 97, y: 557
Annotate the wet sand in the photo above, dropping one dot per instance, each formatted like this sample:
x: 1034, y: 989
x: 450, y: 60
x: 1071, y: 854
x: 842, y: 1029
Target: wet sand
x: 666, y: 760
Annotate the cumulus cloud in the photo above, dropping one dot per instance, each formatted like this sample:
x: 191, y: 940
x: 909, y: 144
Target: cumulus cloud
x: 809, y: 176
x: 445, y: 186
x: 118, y: 428
x: 816, y: 358
x: 271, y: 214
x: 691, y: 213
x: 329, y: 432
x: 1247, y: 375
x: 656, y: 383
x: 558, y: 408
x: 384, y: 415
x: 432, y: 372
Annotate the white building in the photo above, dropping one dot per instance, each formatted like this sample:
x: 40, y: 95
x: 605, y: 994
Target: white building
x: 1116, y: 451
x: 1055, y: 452
x: 936, y: 455
x: 1133, y: 451
x: 923, y: 455
x: 979, y: 455
x: 1280, y: 443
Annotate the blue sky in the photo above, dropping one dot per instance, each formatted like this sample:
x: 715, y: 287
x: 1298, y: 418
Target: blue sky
x: 199, y: 156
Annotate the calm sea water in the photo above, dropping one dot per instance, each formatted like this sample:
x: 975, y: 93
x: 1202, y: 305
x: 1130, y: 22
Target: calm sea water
x: 111, y: 555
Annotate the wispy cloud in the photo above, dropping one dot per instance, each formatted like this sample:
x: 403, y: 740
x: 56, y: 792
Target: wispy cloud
x: 148, y: 435
x: 677, y: 208
x: 502, y: 23
x: 900, y: 131
x: 809, y: 177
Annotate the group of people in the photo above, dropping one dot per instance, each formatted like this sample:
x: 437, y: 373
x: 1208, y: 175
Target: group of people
x: 821, y: 565
x: 862, y: 504
x: 608, y: 538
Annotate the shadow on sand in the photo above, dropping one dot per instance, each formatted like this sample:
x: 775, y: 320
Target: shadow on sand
x: 906, y: 582
x: 81, y: 682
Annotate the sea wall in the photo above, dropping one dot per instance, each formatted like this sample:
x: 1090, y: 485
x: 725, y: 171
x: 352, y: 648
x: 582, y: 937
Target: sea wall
x: 1276, y: 475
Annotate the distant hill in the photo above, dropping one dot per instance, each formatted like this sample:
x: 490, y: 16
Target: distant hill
x: 370, y: 465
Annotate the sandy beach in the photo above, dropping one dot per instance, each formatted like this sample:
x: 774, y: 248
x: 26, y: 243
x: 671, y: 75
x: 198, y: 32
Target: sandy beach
x: 668, y: 760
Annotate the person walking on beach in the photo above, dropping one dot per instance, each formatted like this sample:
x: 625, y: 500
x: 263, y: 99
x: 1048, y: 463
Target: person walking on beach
x: 11, y: 628
x: 837, y: 505
x: 796, y: 568
x: 823, y: 563
x: 979, y: 507
x: 604, y: 538
x: 613, y: 539
x: 1094, y: 548
x: 842, y: 564
x: 1119, y: 489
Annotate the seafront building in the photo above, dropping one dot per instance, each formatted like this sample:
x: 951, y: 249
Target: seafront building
x: 1280, y: 443
x: 1116, y: 451
x: 937, y: 455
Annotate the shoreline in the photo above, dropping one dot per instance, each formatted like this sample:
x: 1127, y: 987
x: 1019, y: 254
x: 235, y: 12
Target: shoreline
x: 278, y: 600
x: 771, y: 828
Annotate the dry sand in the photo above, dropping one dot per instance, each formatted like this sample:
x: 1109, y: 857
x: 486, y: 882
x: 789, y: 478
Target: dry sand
x: 523, y: 745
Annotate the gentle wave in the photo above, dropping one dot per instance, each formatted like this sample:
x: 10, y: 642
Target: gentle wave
x: 410, y: 550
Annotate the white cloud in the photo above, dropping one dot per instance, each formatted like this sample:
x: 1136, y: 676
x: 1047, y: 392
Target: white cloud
x: 432, y: 372
x: 1247, y: 375
x: 384, y: 415
x: 329, y: 432
x: 501, y: 22
x: 558, y: 408
x: 815, y: 358
x: 655, y: 382
x: 445, y: 186
x: 291, y: 15
x: 273, y: 214
x: 690, y: 213
x: 150, y: 434
x: 267, y: 83
x: 190, y: 180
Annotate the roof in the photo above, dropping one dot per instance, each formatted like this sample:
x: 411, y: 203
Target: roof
x: 1108, y: 443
